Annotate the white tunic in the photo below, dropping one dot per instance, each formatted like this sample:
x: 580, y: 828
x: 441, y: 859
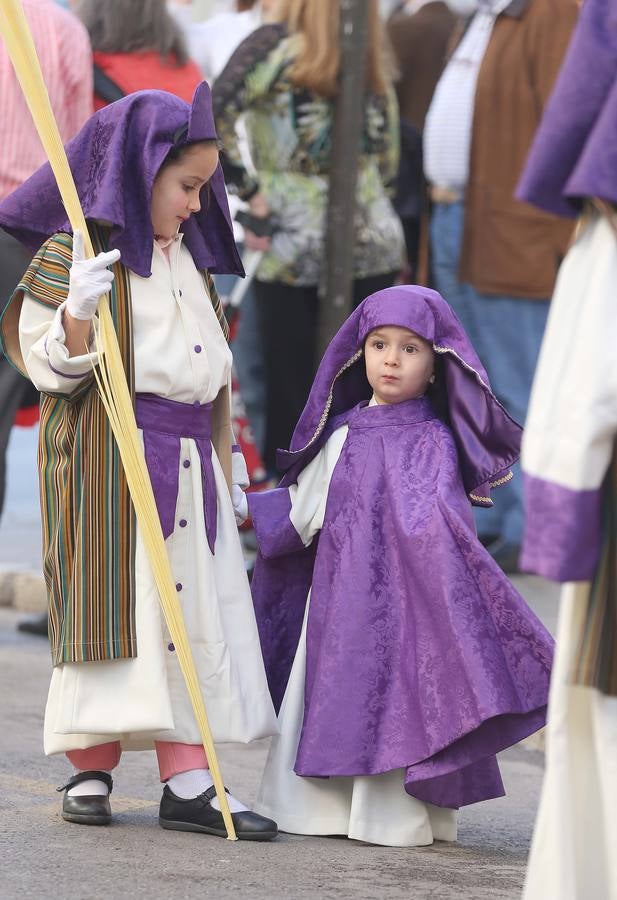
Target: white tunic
x: 371, y: 808
x: 569, y: 436
x: 180, y: 354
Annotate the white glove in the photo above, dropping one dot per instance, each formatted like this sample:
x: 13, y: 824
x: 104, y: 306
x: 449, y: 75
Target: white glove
x: 89, y: 279
x: 239, y: 503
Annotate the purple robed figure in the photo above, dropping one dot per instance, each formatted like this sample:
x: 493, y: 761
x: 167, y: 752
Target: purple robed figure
x: 420, y: 654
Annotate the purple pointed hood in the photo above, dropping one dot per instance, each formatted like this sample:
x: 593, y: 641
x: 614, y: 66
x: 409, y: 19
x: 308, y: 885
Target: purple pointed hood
x: 114, y: 160
x: 574, y: 153
x: 488, y: 440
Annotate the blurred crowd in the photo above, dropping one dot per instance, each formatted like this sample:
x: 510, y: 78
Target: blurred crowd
x: 455, y: 90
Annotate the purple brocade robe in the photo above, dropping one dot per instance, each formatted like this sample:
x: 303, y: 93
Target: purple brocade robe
x: 420, y: 653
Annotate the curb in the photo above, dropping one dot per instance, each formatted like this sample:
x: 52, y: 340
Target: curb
x: 23, y: 590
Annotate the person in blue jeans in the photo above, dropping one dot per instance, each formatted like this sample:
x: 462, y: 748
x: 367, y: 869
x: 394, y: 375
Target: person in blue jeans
x: 494, y: 258
x: 507, y: 333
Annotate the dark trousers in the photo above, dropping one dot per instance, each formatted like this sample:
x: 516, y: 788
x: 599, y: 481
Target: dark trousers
x: 288, y: 317
x: 14, y: 389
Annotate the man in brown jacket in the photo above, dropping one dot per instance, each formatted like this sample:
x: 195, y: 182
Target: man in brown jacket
x: 494, y: 258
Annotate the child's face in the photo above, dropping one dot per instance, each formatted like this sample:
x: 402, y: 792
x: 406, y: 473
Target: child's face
x: 175, y: 193
x: 399, y: 364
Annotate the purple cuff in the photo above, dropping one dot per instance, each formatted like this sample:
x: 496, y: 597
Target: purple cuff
x: 562, y: 530
x: 274, y: 531
x: 63, y: 374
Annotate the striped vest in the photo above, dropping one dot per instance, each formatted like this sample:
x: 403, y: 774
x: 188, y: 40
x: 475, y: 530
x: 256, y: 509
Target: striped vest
x: 89, y: 526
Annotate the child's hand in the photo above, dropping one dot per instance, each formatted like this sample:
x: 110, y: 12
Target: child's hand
x: 239, y: 503
x: 89, y: 279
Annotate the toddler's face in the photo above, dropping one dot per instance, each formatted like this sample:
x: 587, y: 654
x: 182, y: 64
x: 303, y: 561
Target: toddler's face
x: 399, y: 364
x: 175, y: 193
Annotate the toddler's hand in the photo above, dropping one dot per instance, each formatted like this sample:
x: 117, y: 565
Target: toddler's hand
x: 89, y: 279
x: 239, y: 503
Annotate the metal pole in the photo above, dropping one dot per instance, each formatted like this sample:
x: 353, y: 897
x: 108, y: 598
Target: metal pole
x: 335, y: 306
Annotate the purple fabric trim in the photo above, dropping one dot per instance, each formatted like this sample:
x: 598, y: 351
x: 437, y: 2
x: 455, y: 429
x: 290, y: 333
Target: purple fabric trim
x: 163, y: 423
x: 58, y: 372
x: 236, y: 448
x: 572, y: 155
x: 269, y: 510
x: 562, y: 530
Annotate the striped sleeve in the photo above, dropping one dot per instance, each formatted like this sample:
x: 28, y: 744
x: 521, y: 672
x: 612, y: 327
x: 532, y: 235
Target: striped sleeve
x: 47, y: 278
x: 46, y: 281
x: 217, y: 304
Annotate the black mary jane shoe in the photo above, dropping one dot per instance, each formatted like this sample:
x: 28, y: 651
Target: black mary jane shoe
x: 91, y: 809
x: 198, y: 814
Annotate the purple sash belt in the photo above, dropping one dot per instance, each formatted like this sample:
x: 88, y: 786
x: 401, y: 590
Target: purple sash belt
x: 163, y: 423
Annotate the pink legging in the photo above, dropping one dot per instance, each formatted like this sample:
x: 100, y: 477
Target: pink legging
x: 172, y: 758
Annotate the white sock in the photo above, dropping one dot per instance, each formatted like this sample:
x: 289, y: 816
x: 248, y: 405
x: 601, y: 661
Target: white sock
x: 191, y: 784
x: 234, y: 805
x: 90, y: 788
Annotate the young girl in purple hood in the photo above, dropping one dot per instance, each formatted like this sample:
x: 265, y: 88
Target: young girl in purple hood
x: 400, y: 657
x: 148, y: 177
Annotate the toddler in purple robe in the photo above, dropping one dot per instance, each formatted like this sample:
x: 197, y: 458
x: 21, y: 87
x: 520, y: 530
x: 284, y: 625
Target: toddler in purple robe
x: 400, y: 656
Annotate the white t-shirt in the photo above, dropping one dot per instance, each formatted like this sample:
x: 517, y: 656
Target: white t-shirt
x: 447, y: 132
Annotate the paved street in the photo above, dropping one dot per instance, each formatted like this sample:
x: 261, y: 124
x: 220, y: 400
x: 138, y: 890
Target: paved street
x: 42, y: 857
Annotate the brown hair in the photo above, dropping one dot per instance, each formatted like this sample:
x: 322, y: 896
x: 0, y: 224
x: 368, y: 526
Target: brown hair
x: 178, y: 151
x: 316, y: 24
x: 123, y: 26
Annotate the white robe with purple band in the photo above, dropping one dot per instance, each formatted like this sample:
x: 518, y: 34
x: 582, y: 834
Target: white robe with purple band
x: 568, y: 444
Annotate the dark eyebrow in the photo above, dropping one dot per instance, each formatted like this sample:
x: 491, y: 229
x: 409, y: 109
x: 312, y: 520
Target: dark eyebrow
x: 411, y: 335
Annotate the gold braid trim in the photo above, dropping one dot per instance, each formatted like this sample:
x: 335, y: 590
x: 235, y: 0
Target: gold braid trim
x: 503, y: 480
x: 326, y: 412
x: 479, y: 499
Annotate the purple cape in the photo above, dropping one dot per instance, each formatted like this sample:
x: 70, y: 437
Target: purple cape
x: 574, y: 153
x: 420, y: 653
x: 114, y: 160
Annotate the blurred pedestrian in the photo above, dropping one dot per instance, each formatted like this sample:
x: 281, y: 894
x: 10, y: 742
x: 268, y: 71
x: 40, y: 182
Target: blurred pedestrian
x: 284, y: 77
x: 494, y: 258
x: 212, y: 42
x: 419, y: 32
x: 570, y: 466
x: 66, y: 60
x: 137, y: 45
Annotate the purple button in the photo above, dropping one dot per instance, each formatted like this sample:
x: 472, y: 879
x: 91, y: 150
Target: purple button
x: 186, y: 463
x: 182, y: 523
x: 179, y: 586
x: 170, y: 647
x: 197, y: 348
x: 196, y: 404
